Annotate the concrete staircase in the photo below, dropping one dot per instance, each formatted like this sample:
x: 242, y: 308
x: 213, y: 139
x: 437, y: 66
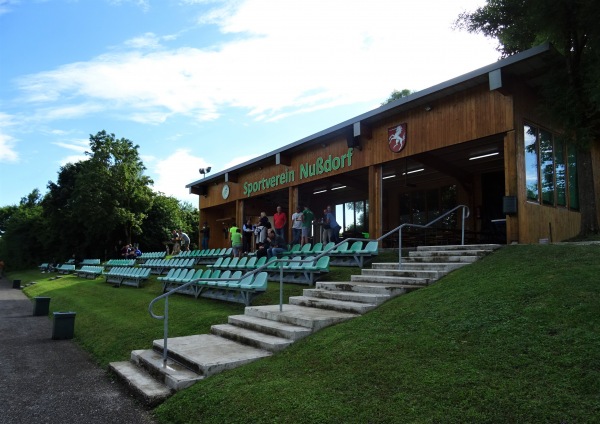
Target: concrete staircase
x: 264, y: 330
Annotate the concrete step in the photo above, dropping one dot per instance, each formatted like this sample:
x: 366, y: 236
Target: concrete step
x: 332, y: 304
x: 414, y: 273
x: 347, y: 296
x: 207, y: 354
x: 146, y: 388
x: 441, y: 259
x: 364, y: 287
x: 446, y: 253
x: 487, y: 247
x: 174, y: 375
x: 383, y: 279
x: 251, y: 337
x: 313, y: 318
x: 267, y: 326
x: 442, y: 267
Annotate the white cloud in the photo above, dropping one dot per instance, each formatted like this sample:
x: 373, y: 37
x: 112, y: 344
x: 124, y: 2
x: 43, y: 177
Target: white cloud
x: 8, y: 153
x: 7, y: 148
x: 287, y: 58
x: 175, y: 171
x: 79, y: 146
x: 148, y: 40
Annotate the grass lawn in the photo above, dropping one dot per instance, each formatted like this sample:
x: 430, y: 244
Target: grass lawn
x: 512, y: 338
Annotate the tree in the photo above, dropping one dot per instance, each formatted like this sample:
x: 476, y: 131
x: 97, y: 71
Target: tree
x: 163, y: 216
x: 395, y: 95
x: 97, y: 202
x: 21, y: 243
x: 571, y: 90
x: 120, y: 190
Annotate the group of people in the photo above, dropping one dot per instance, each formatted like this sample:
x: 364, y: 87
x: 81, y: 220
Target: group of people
x: 271, y: 238
x: 181, y: 242
x: 130, y: 251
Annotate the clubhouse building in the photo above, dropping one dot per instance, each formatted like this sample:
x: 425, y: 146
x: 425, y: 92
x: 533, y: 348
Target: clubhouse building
x: 476, y: 140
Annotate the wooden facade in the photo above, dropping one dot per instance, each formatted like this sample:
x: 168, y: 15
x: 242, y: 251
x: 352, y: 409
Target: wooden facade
x: 447, y: 126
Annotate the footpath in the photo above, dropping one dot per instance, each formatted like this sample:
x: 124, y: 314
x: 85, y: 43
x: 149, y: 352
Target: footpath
x: 53, y: 381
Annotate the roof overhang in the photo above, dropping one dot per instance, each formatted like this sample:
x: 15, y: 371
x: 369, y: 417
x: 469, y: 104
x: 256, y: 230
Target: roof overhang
x: 528, y: 66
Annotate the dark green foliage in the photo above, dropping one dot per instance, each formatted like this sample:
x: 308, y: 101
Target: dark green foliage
x: 395, y: 95
x: 93, y: 208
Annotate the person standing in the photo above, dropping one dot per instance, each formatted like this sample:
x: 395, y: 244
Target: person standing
x: 205, y: 235
x: 248, y: 230
x: 334, y: 227
x: 325, y: 229
x: 236, y: 243
x: 297, y: 226
x: 185, y: 240
x: 307, y: 220
x: 263, y: 226
x: 232, y: 230
x: 280, y: 219
x: 176, y: 246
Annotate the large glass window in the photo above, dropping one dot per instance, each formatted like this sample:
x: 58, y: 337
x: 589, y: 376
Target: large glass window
x: 353, y: 217
x: 531, y: 163
x: 550, y: 169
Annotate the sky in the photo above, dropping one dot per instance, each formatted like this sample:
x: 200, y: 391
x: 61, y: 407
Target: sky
x: 198, y: 83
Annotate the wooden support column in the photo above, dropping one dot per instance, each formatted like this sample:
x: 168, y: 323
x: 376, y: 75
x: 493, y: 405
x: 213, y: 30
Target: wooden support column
x: 293, y: 202
x: 511, y: 187
x: 375, y: 201
x: 239, y: 213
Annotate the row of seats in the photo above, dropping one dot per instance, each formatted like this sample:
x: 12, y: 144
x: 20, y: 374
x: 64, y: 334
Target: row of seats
x: 151, y: 255
x: 298, y: 270
x: 301, y: 270
x: 160, y: 266
x: 205, y: 256
x: 343, y: 255
x: 243, y: 264
x: 119, y: 262
x: 128, y: 276
x: 67, y: 267
x: 90, y: 271
x: 231, y: 286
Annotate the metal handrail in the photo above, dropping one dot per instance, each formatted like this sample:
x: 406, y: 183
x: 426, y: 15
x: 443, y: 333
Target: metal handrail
x: 165, y: 317
x: 166, y: 296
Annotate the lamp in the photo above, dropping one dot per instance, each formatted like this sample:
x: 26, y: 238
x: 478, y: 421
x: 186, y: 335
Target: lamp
x: 204, y: 171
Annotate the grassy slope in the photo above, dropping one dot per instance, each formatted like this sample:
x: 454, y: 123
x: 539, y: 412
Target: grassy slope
x: 512, y: 338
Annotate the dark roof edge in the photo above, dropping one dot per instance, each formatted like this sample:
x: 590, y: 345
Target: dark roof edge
x: 534, y: 51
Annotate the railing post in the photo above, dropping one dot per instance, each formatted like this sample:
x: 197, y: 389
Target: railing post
x: 166, y: 331
x: 463, y: 227
x: 281, y: 286
x: 399, y: 247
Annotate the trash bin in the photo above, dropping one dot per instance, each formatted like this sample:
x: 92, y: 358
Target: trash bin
x: 64, y: 325
x: 41, y: 306
x: 16, y: 284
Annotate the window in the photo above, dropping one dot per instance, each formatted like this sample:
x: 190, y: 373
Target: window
x: 549, y: 178
x: 531, y: 163
x: 353, y: 216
